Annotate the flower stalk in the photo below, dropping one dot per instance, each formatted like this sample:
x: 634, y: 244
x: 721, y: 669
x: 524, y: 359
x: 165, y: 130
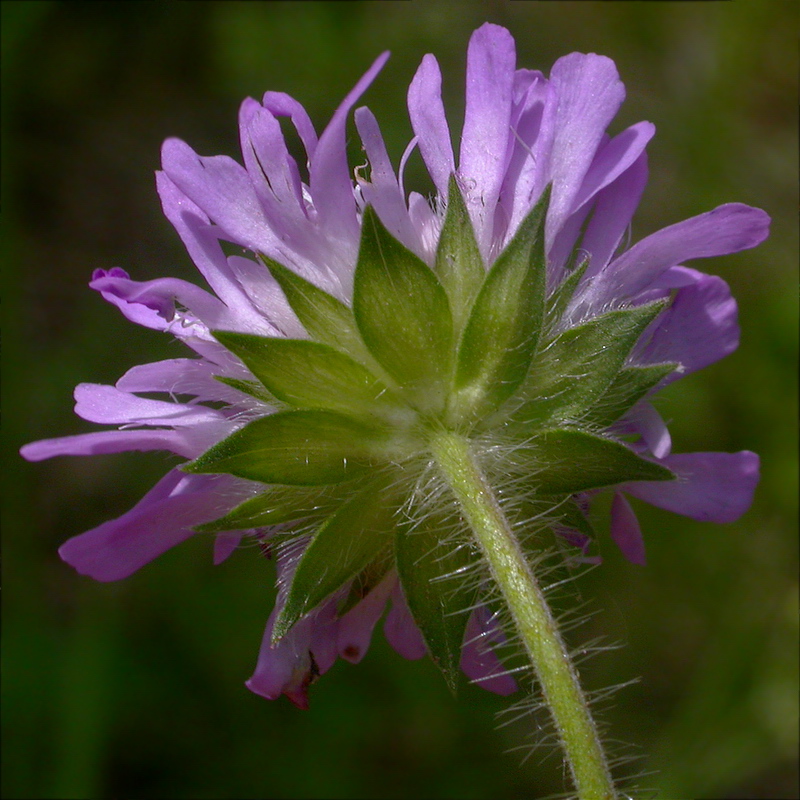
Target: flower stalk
x: 531, y: 614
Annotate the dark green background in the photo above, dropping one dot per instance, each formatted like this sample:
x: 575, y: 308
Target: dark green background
x: 135, y: 689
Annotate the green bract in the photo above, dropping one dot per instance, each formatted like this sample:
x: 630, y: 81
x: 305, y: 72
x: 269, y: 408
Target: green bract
x: 351, y: 414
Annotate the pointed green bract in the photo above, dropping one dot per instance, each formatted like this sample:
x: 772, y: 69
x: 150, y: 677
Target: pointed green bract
x: 503, y: 329
x: 431, y: 567
x: 326, y: 319
x: 276, y: 504
x: 403, y: 314
x: 309, y: 374
x: 560, y: 298
x: 630, y: 386
x: 580, y: 364
x: 459, y: 264
x: 343, y: 546
x: 566, y: 461
x: 306, y: 447
x: 253, y: 388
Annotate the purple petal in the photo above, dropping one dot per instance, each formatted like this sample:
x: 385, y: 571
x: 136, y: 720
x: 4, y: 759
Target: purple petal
x: 478, y: 659
x: 182, y: 442
x: 532, y: 127
x: 646, y: 421
x: 491, y: 58
x: 429, y: 123
x: 625, y: 530
x: 614, y: 158
x: 329, y: 174
x: 108, y: 405
x: 160, y: 296
x: 699, y: 327
x: 356, y: 626
x: 192, y: 226
x: 163, y: 518
x: 382, y: 190
x: 282, y: 105
x: 191, y: 376
x: 400, y: 629
x: 223, y: 189
x: 710, y: 487
x: 225, y: 544
x: 292, y: 664
x: 613, y: 211
x: 727, y: 229
x: 272, y: 169
x: 589, y: 94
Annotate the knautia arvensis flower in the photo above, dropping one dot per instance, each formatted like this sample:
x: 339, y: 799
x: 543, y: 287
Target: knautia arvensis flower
x: 401, y: 397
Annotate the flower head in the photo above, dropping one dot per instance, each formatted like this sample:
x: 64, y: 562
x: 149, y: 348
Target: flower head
x: 365, y: 321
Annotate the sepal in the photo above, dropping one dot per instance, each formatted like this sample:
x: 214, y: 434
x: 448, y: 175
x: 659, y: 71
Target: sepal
x: 347, y: 542
x: 567, y: 461
x: 433, y: 566
x: 309, y: 374
x: 503, y: 329
x: 403, y: 314
x: 304, y: 447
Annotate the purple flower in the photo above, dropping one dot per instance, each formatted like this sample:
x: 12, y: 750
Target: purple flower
x: 522, y: 132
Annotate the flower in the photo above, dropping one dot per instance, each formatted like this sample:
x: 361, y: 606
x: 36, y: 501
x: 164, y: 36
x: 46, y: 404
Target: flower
x: 535, y: 169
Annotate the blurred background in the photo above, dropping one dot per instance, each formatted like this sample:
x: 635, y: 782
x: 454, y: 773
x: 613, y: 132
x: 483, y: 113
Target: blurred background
x: 135, y: 689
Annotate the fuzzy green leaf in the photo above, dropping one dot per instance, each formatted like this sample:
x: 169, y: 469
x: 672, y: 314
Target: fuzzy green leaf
x: 432, y: 568
x: 459, y: 264
x: 326, y: 318
x: 403, y: 314
x: 630, y: 386
x: 566, y: 461
x: 581, y: 363
x: 503, y: 329
x: 560, y: 298
x: 309, y: 374
x: 307, y: 447
x: 253, y: 388
x: 276, y: 504
x: 344, y: 545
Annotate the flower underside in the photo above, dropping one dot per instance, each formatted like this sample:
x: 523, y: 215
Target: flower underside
x: 421, y: 353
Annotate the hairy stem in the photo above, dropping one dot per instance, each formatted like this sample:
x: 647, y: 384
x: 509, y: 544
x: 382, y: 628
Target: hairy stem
x: 531, y: 614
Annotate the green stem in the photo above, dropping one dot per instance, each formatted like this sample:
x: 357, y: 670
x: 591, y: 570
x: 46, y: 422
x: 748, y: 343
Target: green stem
x: 531, y: 614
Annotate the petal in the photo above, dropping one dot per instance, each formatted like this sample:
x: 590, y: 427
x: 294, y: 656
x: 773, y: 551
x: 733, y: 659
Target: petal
x: 107, y: 404
x: 429, y: 123
x: 711, y: 487
x: 727, y: 229
x: 625, y: 530
x: 329, y: 174
x: 181, y: 442
x: 400, y: 629
x: 356, y: 626
x: 645, y: 420
x: 161, y: 295
x: 292, y: 664
x: 163, y: 518
x: 612, y: 215
x: 192, y: 226
x: 282, y: 105
x: 225, y: 544
x: 589, y: 94
x: 614, y: 158
x: 223, y: 190
x: 382, y: 190
x: 526, y: 174
x: 491, y: 58
x: 699, y: 327
x: 191, y: 376
x: 478, y: 659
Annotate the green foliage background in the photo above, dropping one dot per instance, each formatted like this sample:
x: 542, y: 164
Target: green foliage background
x: 136, y: 689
